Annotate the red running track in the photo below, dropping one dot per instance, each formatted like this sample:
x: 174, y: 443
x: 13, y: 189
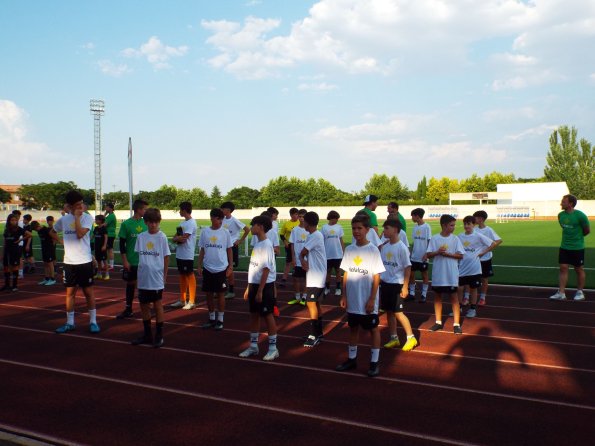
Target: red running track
x: 522, y: 373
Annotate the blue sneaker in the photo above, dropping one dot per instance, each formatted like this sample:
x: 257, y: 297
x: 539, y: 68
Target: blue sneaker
x: 94, y: 328
x: 65, y: 328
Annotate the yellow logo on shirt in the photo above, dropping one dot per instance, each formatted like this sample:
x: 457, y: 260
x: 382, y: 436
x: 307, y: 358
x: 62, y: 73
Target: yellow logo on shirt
x: 150, y: 245
x: 332, y: 232
x: 213, y: 239
x: 418, y: 232
x: 139, y: 229
x: 303, y: 236
x: 358, y: 260
x: 71, y: 225
x: 466, y: 243
x: 226, y: 226
x: 389, y: 256
x: 445, y: 246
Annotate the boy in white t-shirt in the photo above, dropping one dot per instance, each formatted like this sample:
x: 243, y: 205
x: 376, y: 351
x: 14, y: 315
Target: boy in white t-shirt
x: 446, y: 249
x: 313, y: 261
x: 393, y: 284
x: 421, y: 234
x: 362, y: 266
x: 260, y: 292
x: 185, y: 240
x: 487, y: 270
x: 234, y: 226
x: 153, y: 260
x: 297, y: 240
x: 274, y: 213
x: 215, y: 260
x: 334, y: 248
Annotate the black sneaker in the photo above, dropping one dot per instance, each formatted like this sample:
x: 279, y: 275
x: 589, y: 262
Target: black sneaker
x: 209, y: 324
x: 127, y: 313
x: 312, y: 341
x: 350, y: 364
x: 218, y: 325
x: 158, y: 342
x: 457, y: 330
x: 374, y: 369
x: 436, y: 327
x: 143, y: 340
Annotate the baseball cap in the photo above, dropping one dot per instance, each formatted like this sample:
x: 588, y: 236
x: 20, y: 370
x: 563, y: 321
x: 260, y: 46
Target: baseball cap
x: 370, y: 199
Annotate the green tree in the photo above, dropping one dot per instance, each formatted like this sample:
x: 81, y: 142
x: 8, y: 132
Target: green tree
x: 422, y: 189
x: 571, y: 161
x: 282, y: 191
x: 386, y: 188
x: 118, y: 198
x: 4, y: 196
x: 216, y: 197
x: 243, y: 197
x: 165, y: 197
x: 438, y: 189
x: 45, y: 195
x: 198, y: 197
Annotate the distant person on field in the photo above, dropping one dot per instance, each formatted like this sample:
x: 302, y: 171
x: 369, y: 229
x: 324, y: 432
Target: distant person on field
x: 185, y: 240
x: 334, y: 247
x: 298, y: 240
x: 110, y: 225
x: 12, y: 251
x: 487, y: 270
x: 285, y: 234
x: 21, y: 225
x: 48, y: 252
x: 575, y: 226
x: 29, y: 266
x: 100, y: 235
x: 234, y: 226
x: 370, y: 205
x: 421, y: 235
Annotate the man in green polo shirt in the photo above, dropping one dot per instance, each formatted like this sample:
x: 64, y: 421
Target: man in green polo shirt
x: 393, y: 208
x: 575, y: 226
x: 370, y: 205
x: 110, y: 224
x: 128, y: 232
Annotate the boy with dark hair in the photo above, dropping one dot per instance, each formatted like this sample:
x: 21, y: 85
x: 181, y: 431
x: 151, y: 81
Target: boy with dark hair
x: 153, y: 252
x: 215, y: 260
x: 487, y: 270
x: 11, y: 251
x: 29, y: 267
x: 129, y: 231
x: 285, y: 234
x: 78, y: 262
x: 362, y: 266
x: 234, y: 226
x: 260, y: 292
x: 313, y: 261
x: 185, y: 239
x: 48, y: 252
x: 298, y: 239
x: 110, y: 225
x: 100, y: 236
x: 421, y: 233
x: 393, y: 209
x: 274, y: 213
x: 446, y: 250
x: 334, y: 248
x: 21, y: 225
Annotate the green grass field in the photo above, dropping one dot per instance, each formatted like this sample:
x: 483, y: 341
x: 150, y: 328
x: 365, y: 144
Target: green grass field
x: 527, y: 256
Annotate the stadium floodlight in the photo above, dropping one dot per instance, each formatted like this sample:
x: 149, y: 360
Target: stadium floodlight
x: 97, y: 110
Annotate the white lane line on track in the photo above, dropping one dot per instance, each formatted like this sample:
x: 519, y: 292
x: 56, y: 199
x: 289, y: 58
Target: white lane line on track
x: 33, y: 438
x: 236, y: 402
x: 319, y: 369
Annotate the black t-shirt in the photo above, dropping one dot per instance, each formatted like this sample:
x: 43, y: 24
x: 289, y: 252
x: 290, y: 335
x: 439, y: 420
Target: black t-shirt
x: 47, y: 243
x: 99, y: 232
x: 11, y: 238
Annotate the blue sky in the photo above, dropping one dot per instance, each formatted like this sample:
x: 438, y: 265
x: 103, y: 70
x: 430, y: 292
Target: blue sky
x: 234, y: 93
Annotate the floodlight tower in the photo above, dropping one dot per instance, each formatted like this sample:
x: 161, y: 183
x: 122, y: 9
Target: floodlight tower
x: 97, y: 110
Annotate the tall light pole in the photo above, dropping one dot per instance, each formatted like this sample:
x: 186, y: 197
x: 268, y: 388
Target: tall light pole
x: 97, y: 110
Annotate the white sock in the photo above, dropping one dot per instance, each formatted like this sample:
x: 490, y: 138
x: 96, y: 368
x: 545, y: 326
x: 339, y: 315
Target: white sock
x: 272, y: 342
x: 93, y: 316
x: 304, y: 296
x: 220, y: 316
x: 254, y: 340
x: 352, y: 351
x: 424, y: 289
x: 410, y: 336
x: 439, y: 322
x: 466, y: 295
x: 375, y: 354
x: 298, y: 296
x: 411, y: 289
x: 482, y: 296
x: 70, y: 317
x: 212, y: 315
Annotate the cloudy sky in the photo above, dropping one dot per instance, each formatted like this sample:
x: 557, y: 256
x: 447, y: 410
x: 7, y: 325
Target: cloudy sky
x: 236, y: 92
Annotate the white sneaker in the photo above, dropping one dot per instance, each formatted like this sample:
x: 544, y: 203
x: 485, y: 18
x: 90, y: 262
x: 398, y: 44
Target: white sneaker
x: 271, y: 355
x: 558, y: 296
x: 579, y: 295
x: 50, y: 282
x: 177, y: 304
x: 338, y: 292
x: 188, y: 306
x: 471, y: 312
x: 250, y: 351
x: 43, y: 282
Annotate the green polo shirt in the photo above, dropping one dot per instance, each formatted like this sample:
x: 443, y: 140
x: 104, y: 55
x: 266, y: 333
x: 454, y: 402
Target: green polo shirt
x: 373, y: 218
x: 110, y: 224
x: 572, y: 224
x: 129, y: 231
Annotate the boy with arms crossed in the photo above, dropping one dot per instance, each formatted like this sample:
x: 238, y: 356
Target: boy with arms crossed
x: 297, y: 240
x: 186, y: 245
x: 153, y: 252
x: 393, y: 284
x: 313, y: 261
x: 421, y: 233
x: 486, y: 261
x: 234, y: 226
x: 362, y: 266
x: 78, y: 262
x: 446, y: 250
x: 284, y: 234
x: 48, y: 252
x: 260, y: 292
x: 334, y: 248
x: 215, y: 260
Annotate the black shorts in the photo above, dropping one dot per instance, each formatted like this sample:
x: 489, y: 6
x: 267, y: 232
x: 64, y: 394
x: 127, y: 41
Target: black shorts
x: 268, y: 299
x: 444, y: 289
x: 149, y: 296
x: 298, y: 272
x: 419, y: 266
x: 390, y: 297
x: 235, y: 251
x: 130, y: 276
x: 110, y: 242
x: 572, y: 257
x: 185, y: 266
x: 314, y: 294
x: 486, y: 268
x: 333, y: 263
x: 11, y: 257
x: 213, y: 282
x: 78, y: 275
x: 473, y: 281
x: 100, y: 255
x: 28, y: 254
x: 289, y: 253
x: 48, y: 254
x: 366, y: 321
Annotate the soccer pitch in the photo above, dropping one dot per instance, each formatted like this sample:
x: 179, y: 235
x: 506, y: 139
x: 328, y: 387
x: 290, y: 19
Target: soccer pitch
x: 527, y: 256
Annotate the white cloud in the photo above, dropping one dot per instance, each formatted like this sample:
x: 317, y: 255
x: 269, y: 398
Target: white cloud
x: 509, y: 114
x: 156, y: 53
x: 111, y: 69
x: 540, y: 130
x: 322, y: 86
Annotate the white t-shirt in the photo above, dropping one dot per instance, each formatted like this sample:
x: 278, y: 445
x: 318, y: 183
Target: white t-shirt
x: 298, y: 238
x: 491, y: 234
x: 185, y: 251
x: 421, y: 237
x: 402, y: 239
x: 332, y: 241
x: 271, y: 235
x: 372, y: 237
x: 276, y: 229
x: 152, y: 249
x: 77, y: 251
x: 361, y: 264
x: 215, y: 243
x: 473, y: 244
x: 21, y: 224
x: 395, y: 259
x: 234, y: 226
x: 262, y: 257
x: 316, y: 274
x: 445, y: 270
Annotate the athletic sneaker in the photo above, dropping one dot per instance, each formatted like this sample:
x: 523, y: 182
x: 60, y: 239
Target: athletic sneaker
x: 579, y: 295
x: 393, y: 343
x: 303, y: 302
x: 271, y: 355
x: 338, y: 292
x: 558, y: 296
x: 65, y: 328
x: 230, y: 295
x: 14, y: 289
x: 436, y: 327
x: 127, y: 313
x: 50, y: 282
x: 142, y: 340
x: 410, y: 344
x: 374, y: 369
x: 105, y: 277
x: 178, y: 304
x: 312, y: 341
x: 94, y: 328
x: 250, y: 351
x: 457, y: 330
x: 481, y: 301
x: 218, y: 325
x: 471, y: 312
x: 209, y: 324
x: 465, y: 301
x: 158, y: 342
x: 294, y: 301
x: 188, y: 306
x: 347, y: 365
x: 97, y: 277
x: 43, y: 282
